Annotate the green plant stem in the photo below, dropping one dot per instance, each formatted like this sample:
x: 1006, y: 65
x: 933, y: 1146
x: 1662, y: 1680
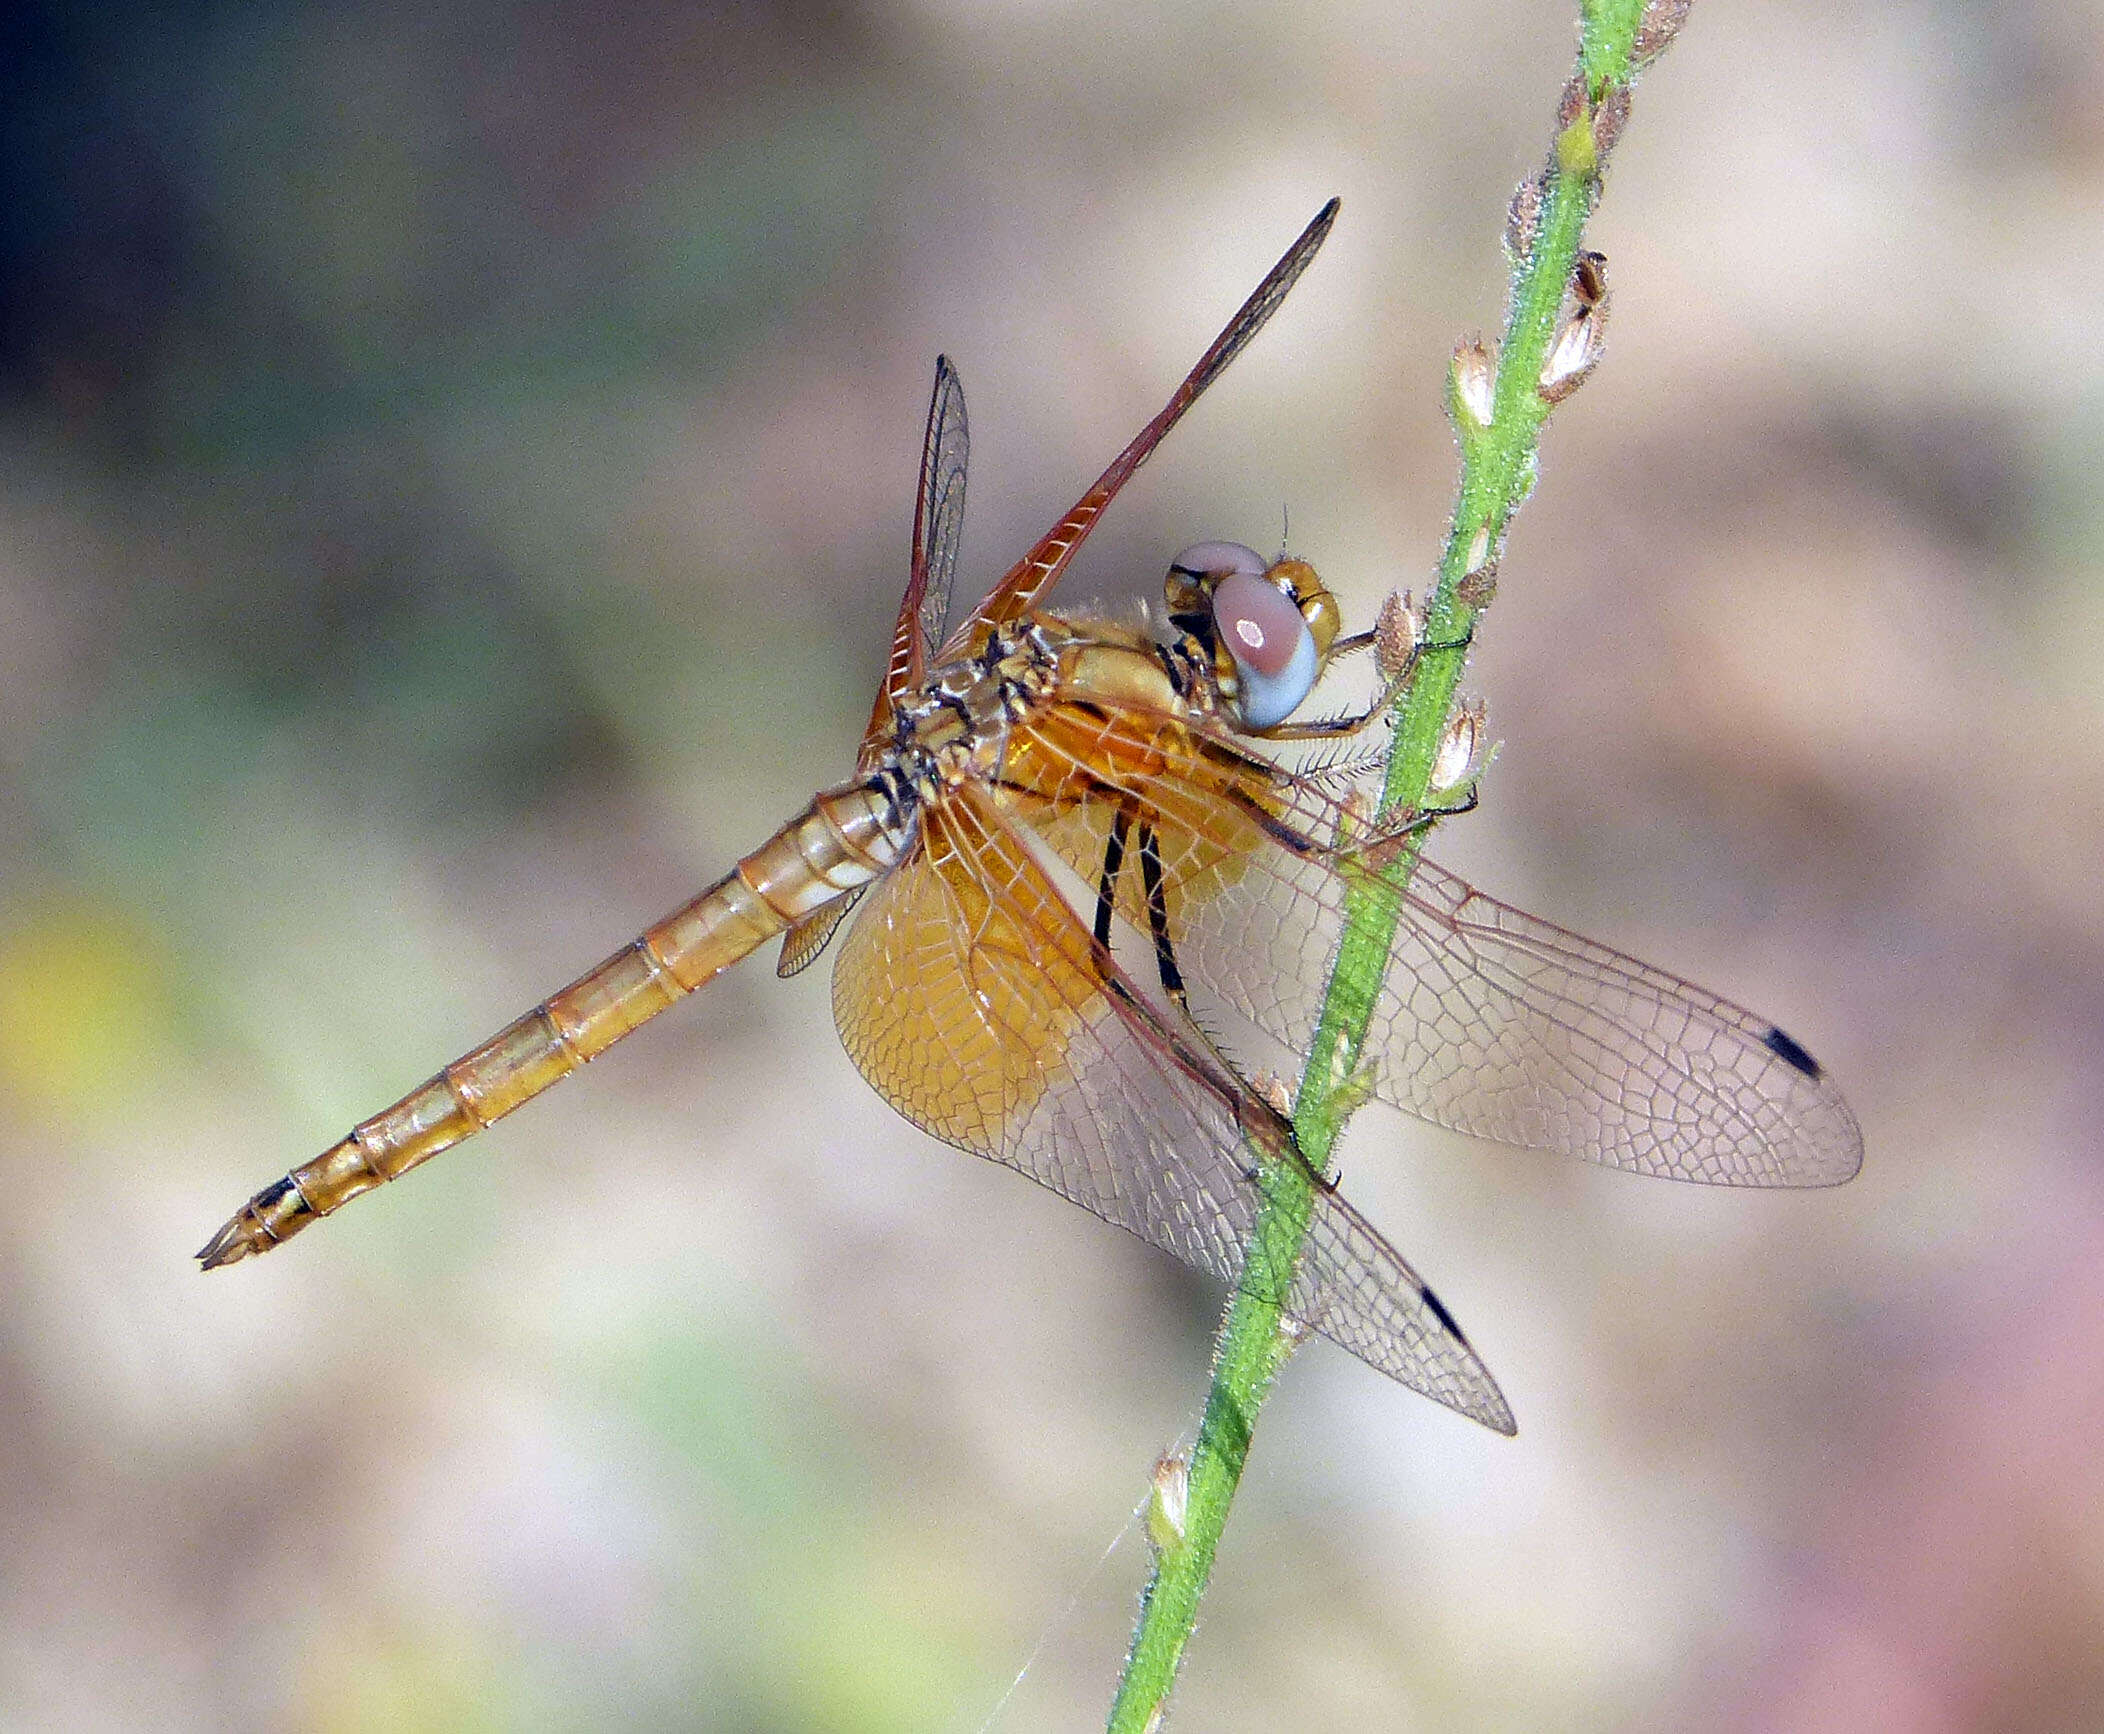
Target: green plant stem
x: 1497, y: 469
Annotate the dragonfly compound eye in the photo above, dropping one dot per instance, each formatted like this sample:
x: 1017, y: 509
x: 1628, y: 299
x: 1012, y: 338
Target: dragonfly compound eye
x: 1217, y: 559
x: 1194, y: 572
x: 1273, y: 651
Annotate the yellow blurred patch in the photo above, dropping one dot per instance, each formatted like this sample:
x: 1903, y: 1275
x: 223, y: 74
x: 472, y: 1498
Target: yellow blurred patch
x: 83, y: 1006
x: 438, y: 1678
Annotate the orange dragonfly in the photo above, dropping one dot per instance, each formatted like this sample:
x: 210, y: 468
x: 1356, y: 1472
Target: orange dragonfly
x: 1085, y: 874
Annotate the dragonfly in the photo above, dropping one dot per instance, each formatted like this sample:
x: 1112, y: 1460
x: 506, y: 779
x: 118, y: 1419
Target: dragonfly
x: 1074, y: 859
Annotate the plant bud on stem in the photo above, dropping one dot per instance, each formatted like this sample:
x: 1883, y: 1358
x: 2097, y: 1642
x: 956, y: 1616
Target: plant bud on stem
x: 1472, y: 384
x: 1656, y: 29
x: 1397, y: 632
x: 1460, y: 749
x: 1168, y: 1505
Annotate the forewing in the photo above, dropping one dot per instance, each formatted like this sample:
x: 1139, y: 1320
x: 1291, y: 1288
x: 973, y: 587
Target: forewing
x: 1035, y: 574
x: 975, y: 1002
x: 938, y: 530
x: 938, y: 513
x: 1488, y: 1021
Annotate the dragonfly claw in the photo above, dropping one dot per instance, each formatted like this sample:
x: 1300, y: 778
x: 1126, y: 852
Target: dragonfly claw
x: 231, y: 1244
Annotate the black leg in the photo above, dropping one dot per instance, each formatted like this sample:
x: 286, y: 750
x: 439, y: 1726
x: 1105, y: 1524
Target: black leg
x: 1216, y: 1068
x: 1158, y: 917
x: 1113, y: 865
x: 1155, y: 883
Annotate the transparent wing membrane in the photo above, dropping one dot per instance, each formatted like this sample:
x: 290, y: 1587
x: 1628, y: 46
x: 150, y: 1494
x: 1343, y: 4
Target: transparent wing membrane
x: 1489, y: 1021
x: 1030, y: 578
x: 1018, y: 1041
x: 938, y: 531
x: 938, y: 517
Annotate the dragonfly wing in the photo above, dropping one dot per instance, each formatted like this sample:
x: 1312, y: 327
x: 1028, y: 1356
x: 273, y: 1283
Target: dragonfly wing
x: 811, y: 934
x: 1488, y: 1021
x: 974, y: 1001
x: 1032, y: 576
x: 938, y: 530
x: 938, y: 514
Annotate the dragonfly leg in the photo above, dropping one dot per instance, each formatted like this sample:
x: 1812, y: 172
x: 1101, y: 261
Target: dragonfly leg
x: 1154, y: 883
x: 1278, y: 1134
x: 1379, y: 848
x: 1113, y: 865
x: 1151, y: 881
x: 1266, y: 1128
x: 1342, y: 728
x: 1373, y: 850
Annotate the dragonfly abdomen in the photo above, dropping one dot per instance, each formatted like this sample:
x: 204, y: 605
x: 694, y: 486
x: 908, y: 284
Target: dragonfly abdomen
x: 841, y: 841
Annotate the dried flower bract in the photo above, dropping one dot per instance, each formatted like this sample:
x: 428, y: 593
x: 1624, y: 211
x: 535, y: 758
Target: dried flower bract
x: 1460, y: 749
x: 1168, y: 1506
x: 1397, y: 632
x: 1610, y: 115
x: 1577, y: 352
x: 1581, y: 339
x: 1475, y: 382
x: 1523, y: 219
x: 1478, y: 550
x: 1660, y: 23
x: 1273, y: 1089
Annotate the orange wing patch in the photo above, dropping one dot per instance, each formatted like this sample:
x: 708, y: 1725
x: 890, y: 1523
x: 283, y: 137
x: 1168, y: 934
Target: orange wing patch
x: 1072, y: 768
x: 971, y: 997
x: 956, y: 1014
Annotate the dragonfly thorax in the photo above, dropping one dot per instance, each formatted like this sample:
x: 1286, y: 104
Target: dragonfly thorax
x: 955, y: 729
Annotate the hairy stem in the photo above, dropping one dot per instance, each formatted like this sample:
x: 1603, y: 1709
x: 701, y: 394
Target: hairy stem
x: 1547, y: 349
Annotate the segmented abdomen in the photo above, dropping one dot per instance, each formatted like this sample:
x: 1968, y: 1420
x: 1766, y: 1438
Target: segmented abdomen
x: 842, y: 840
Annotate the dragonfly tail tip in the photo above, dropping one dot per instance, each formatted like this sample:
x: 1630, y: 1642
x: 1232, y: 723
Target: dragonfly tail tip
x: 228, y: 1246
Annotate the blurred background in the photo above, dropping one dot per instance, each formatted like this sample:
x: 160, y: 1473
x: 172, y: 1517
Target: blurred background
x: 456, y: 472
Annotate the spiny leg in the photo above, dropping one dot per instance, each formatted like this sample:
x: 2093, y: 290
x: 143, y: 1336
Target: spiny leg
x: 1373, y: 850
x: 1113, y: 865
x: 1381, y: 846
x: 1154, y: 883
x: 1339, y: 728
x: 1151, y: 880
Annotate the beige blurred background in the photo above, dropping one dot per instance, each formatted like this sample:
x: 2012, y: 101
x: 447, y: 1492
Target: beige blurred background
x: 455, y: 475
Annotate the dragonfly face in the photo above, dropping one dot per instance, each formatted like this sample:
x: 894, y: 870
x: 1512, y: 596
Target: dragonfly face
x: 997, y: 1010
x: 1270, y: 626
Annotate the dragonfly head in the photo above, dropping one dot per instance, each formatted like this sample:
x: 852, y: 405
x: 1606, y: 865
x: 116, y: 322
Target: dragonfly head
x: 1269, y: 625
